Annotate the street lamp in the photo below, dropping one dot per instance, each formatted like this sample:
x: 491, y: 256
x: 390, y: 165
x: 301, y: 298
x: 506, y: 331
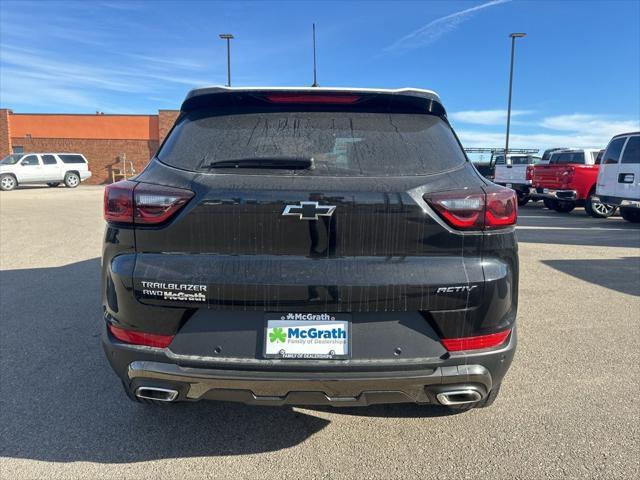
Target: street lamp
x: 513, y: 48
x: 228, y: 37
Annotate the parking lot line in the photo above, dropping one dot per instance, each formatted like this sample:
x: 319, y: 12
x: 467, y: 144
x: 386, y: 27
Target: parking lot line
x: 577, y: 228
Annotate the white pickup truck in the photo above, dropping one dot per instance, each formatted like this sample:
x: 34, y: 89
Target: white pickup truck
x: 513, y: 174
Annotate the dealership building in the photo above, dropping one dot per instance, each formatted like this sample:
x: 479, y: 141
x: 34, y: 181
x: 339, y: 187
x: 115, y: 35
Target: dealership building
x: 116, y: 146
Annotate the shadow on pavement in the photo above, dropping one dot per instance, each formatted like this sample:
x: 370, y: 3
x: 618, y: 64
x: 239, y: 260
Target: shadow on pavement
x: 620, y: 274
x: 61, y: 402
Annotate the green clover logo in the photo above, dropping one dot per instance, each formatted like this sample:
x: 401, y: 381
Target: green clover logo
x: 277, y: 335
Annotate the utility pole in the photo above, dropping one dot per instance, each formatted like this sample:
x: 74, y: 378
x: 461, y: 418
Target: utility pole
x: 315, y: 78
x: 513, y: 49
x: 228, y: 37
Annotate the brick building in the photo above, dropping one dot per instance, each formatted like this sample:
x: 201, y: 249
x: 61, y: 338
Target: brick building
x: 109, y: 142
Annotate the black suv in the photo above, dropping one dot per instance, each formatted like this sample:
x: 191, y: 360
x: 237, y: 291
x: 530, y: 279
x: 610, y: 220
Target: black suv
x: 310, y: 246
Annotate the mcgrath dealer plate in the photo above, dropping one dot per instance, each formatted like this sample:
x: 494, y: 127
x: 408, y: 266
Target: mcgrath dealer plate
x: 318, y: 336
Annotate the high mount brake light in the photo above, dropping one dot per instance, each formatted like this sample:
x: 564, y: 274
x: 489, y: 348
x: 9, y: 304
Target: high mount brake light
x: 142, y: 203
x: 476, y: 210
x: 475, y: 343
x: 140, y: 338
x: 311, y: 98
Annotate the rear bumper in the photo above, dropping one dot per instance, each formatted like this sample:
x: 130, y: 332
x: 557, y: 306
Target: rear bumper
x: 523, y: 188
x: 618, y: 201
x: 399, y: 383
x: 564, y: 195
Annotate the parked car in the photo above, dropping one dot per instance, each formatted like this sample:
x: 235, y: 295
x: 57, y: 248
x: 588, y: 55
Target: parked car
x: 310, y: 246
x: 619, y: 175
x: 569, y: 180
x: 514, y: 174
x: 50, y: 168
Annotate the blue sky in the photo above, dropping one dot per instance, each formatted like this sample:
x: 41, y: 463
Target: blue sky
x: 577, y: 78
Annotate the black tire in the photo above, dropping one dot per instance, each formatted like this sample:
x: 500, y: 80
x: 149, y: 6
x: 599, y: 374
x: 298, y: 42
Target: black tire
x: 523, y: 199
x: 598, y: 209
x: 549, y: 203
x: 564, y: 207
x: 8, y: 182
x: 71, y: 180
x: 53, y: 184
x: 485, y: 402
x: 630, y: 214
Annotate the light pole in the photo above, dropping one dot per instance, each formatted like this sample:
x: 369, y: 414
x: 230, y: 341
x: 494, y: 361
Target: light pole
x: 513, y: 49
x: 228, y: 37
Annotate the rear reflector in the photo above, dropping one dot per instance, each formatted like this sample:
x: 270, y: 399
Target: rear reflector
x: 476, y: 210
x: 142, y: 203
x: 475, y: 343
x: 311, y: 98
x: 140, y: 338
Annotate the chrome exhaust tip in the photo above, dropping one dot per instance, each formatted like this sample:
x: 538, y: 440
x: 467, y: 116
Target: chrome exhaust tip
x: 459, y: 397
x: 156, y: 393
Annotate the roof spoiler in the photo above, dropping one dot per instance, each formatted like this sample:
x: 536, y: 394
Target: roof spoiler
x: 413, y: 99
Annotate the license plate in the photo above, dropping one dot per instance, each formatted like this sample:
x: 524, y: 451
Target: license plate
x: 509, y: 185
x: 545, y: 190
x: 307, y: 336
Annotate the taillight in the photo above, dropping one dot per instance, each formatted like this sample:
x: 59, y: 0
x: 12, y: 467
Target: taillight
x: 529, y: 172
x: 311, y: 98
x: 156, y: 204
x: 142, y: 203
x: 475, y: 343
x: 567, y: 173
x: 118, y: 202
x: 501, y: 210
x: 460, y: 209
x: 140, y: 338
x: 466, y: 210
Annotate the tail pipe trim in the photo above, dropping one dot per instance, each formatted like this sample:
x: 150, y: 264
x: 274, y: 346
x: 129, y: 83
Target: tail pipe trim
x: 157, y: 393
x: 459, y: 397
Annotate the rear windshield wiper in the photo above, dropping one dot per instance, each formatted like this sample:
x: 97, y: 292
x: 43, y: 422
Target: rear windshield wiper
x: 287, y: 163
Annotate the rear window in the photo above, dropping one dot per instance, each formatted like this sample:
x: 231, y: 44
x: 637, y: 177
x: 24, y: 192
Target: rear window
x: 72, y: 158
x: 10, y: 159
x: 568, y: 157
x: 597, y: 157
x: 520, y: 160
x: 612, y: 154
x: 547, y: 153
x: 632, y: 151
x: 340, y: 143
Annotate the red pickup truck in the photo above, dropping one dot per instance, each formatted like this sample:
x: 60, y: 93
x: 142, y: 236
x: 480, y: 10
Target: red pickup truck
x: 568, y: 181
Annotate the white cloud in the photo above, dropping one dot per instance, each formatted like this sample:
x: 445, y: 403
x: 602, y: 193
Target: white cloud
x: 570, y: 130
x: 433, y: 30
x: 581, y: 122
x: 583, y: 138
x: 40, y: 78
x: 486, y: 117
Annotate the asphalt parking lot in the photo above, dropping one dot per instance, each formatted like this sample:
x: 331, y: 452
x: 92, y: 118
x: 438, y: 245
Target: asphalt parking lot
x: 569, y: 406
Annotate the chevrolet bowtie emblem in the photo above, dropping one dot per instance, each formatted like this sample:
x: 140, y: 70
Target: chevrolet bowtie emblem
x: 308, y: 210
